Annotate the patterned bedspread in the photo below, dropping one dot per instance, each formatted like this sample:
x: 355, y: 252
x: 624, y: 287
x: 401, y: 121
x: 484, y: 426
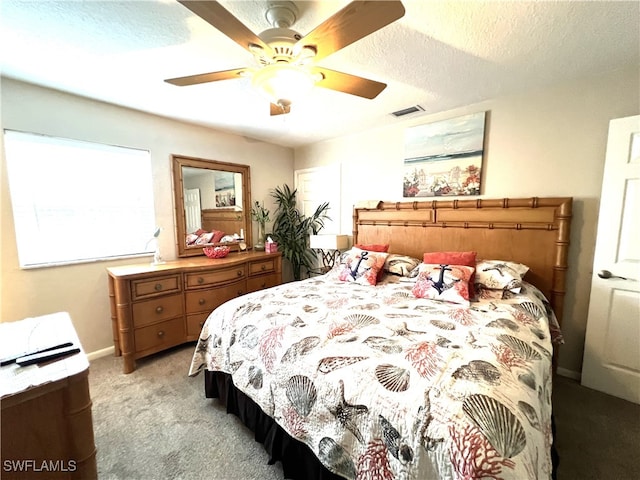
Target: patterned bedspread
x: 384, y: 385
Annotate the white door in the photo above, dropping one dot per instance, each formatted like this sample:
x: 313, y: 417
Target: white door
x: 318, y: 185
x: 192, y: 210
x: 612, y: 344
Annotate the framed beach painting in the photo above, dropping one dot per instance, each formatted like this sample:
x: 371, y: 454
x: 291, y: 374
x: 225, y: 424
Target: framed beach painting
x: 444, y: 158
x: 225, y: 189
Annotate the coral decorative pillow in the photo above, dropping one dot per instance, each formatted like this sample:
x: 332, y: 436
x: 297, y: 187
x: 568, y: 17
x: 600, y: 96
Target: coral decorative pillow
x: 361, y: 266
x: 500, y: 275
x: 217, y: 236
x: 454, y: 258
x: 373, y: 247
x: 451, y: 258
x: 447, y: 283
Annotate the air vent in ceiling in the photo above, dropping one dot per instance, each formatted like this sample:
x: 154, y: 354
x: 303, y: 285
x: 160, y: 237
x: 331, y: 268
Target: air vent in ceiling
x: 407, y: 111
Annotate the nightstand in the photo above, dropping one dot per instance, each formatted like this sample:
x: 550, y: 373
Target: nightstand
x: 47, y: 427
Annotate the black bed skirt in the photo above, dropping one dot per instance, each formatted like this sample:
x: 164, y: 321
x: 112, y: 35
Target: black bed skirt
x: 298, y: 461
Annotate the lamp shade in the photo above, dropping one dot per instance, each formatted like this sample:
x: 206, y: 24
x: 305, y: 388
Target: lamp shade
x: 329, y: 242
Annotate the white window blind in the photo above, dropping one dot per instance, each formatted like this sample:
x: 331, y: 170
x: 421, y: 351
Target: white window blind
x: 77, y: 201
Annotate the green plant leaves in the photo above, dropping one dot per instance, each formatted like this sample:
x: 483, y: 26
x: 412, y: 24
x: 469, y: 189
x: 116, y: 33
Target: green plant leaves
x: 291, y: 229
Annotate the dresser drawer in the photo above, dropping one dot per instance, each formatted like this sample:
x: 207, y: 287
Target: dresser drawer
x: 155, y: 286
x: 263, y: 281
x: 263, y: 266
x: 206, y: 279
x: 156, y: 310
x: 195, y: 322
x: 160, y: 336
x: 207, y: 300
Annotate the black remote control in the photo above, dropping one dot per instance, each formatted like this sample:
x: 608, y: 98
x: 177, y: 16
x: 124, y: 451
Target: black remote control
x: 7, y: 361
x: 45, y: 356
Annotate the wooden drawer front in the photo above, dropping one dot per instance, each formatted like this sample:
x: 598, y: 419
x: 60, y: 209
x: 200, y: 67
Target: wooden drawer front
x: 264, y: 281
x: 160, y: 336
x: 155, y: 286
x: 156, y: 310
x: 264, y: 266
x: 195, y: 322
x: 204, y: 279
x: 207, y: 300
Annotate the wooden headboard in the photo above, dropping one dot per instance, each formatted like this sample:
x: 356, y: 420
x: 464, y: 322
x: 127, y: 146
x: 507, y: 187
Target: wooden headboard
x: 532, y: 231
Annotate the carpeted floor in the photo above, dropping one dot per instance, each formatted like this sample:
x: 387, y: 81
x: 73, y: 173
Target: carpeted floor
x: 597, y: 435
x: 156, y: 424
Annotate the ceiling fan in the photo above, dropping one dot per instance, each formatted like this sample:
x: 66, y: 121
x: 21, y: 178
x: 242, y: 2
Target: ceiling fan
x: 286, y: 66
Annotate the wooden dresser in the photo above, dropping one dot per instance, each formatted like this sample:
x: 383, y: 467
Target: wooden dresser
x: 47, y: 427
x: 154, y: 307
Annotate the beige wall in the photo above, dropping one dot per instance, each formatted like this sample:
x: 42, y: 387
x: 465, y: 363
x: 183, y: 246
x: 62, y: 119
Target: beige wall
x: 549, y: 142
x: 82, y: 289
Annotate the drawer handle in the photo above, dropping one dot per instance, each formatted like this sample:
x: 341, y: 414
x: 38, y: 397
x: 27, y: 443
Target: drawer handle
x: 240, y: 292
x: 264, y: 284
x: 159, y: 309
x: 239, y: 273
x: 201, y: 324
x: 161, y: 333
x: 200, y: 280
x: 202, y: 301
x: 263, y: 268
x: 158, y: 287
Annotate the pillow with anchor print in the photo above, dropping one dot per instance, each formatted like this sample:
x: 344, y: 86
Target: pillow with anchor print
x: 447, y: 283
x: 454, y: 258
x: 361, y: 266
x: 500, y: 275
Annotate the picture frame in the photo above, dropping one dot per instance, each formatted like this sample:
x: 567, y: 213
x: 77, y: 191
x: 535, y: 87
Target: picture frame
x: 225, y: 189
x: 444, y: 158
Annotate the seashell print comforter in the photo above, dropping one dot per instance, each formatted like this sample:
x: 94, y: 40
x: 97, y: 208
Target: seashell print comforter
x: 384, y: 385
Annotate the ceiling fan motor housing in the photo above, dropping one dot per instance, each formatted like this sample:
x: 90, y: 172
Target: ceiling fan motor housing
x: 281, y: 41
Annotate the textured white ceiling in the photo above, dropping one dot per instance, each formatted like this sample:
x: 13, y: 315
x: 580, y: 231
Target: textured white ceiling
x: 441, y: 55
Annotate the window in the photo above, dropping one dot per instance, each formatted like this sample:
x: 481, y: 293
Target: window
x: 76, y: 201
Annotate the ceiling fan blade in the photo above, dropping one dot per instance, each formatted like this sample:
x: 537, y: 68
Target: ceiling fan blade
x: 206, y: 77
x: 353, y: 22
x: 346, y: 83
x: 276, y: 109
x: 223, y: 20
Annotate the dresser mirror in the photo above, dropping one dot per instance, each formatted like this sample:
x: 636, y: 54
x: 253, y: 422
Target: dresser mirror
x: 213, y: 204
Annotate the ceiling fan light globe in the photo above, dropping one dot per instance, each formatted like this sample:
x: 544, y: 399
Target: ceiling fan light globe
x: 283, y: 84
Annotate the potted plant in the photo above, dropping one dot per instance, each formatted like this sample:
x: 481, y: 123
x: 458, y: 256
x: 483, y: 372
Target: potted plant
x: 260, y: 215
x: 291, y: 229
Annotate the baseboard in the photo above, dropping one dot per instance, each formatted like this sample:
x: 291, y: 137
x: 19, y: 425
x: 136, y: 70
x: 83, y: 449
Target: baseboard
x: 101, y: 353
x: 568, y: 373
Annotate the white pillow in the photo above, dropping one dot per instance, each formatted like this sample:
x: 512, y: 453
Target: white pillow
x: 500, y: 275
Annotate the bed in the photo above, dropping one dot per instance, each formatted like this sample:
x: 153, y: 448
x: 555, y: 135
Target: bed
x: 339, y: 378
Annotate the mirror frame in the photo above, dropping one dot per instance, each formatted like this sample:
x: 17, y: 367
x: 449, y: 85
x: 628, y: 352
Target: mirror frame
x: 180, y: 161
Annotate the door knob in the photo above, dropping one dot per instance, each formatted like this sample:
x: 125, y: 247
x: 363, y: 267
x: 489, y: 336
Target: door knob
x: 607, y: 274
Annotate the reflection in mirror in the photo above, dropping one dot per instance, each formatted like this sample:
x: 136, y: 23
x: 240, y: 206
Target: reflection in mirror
x: 212, y: 204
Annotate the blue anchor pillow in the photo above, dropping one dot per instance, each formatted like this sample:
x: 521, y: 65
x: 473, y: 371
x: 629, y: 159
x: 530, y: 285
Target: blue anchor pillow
x: 361, y: 266
x: 447, y: 283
